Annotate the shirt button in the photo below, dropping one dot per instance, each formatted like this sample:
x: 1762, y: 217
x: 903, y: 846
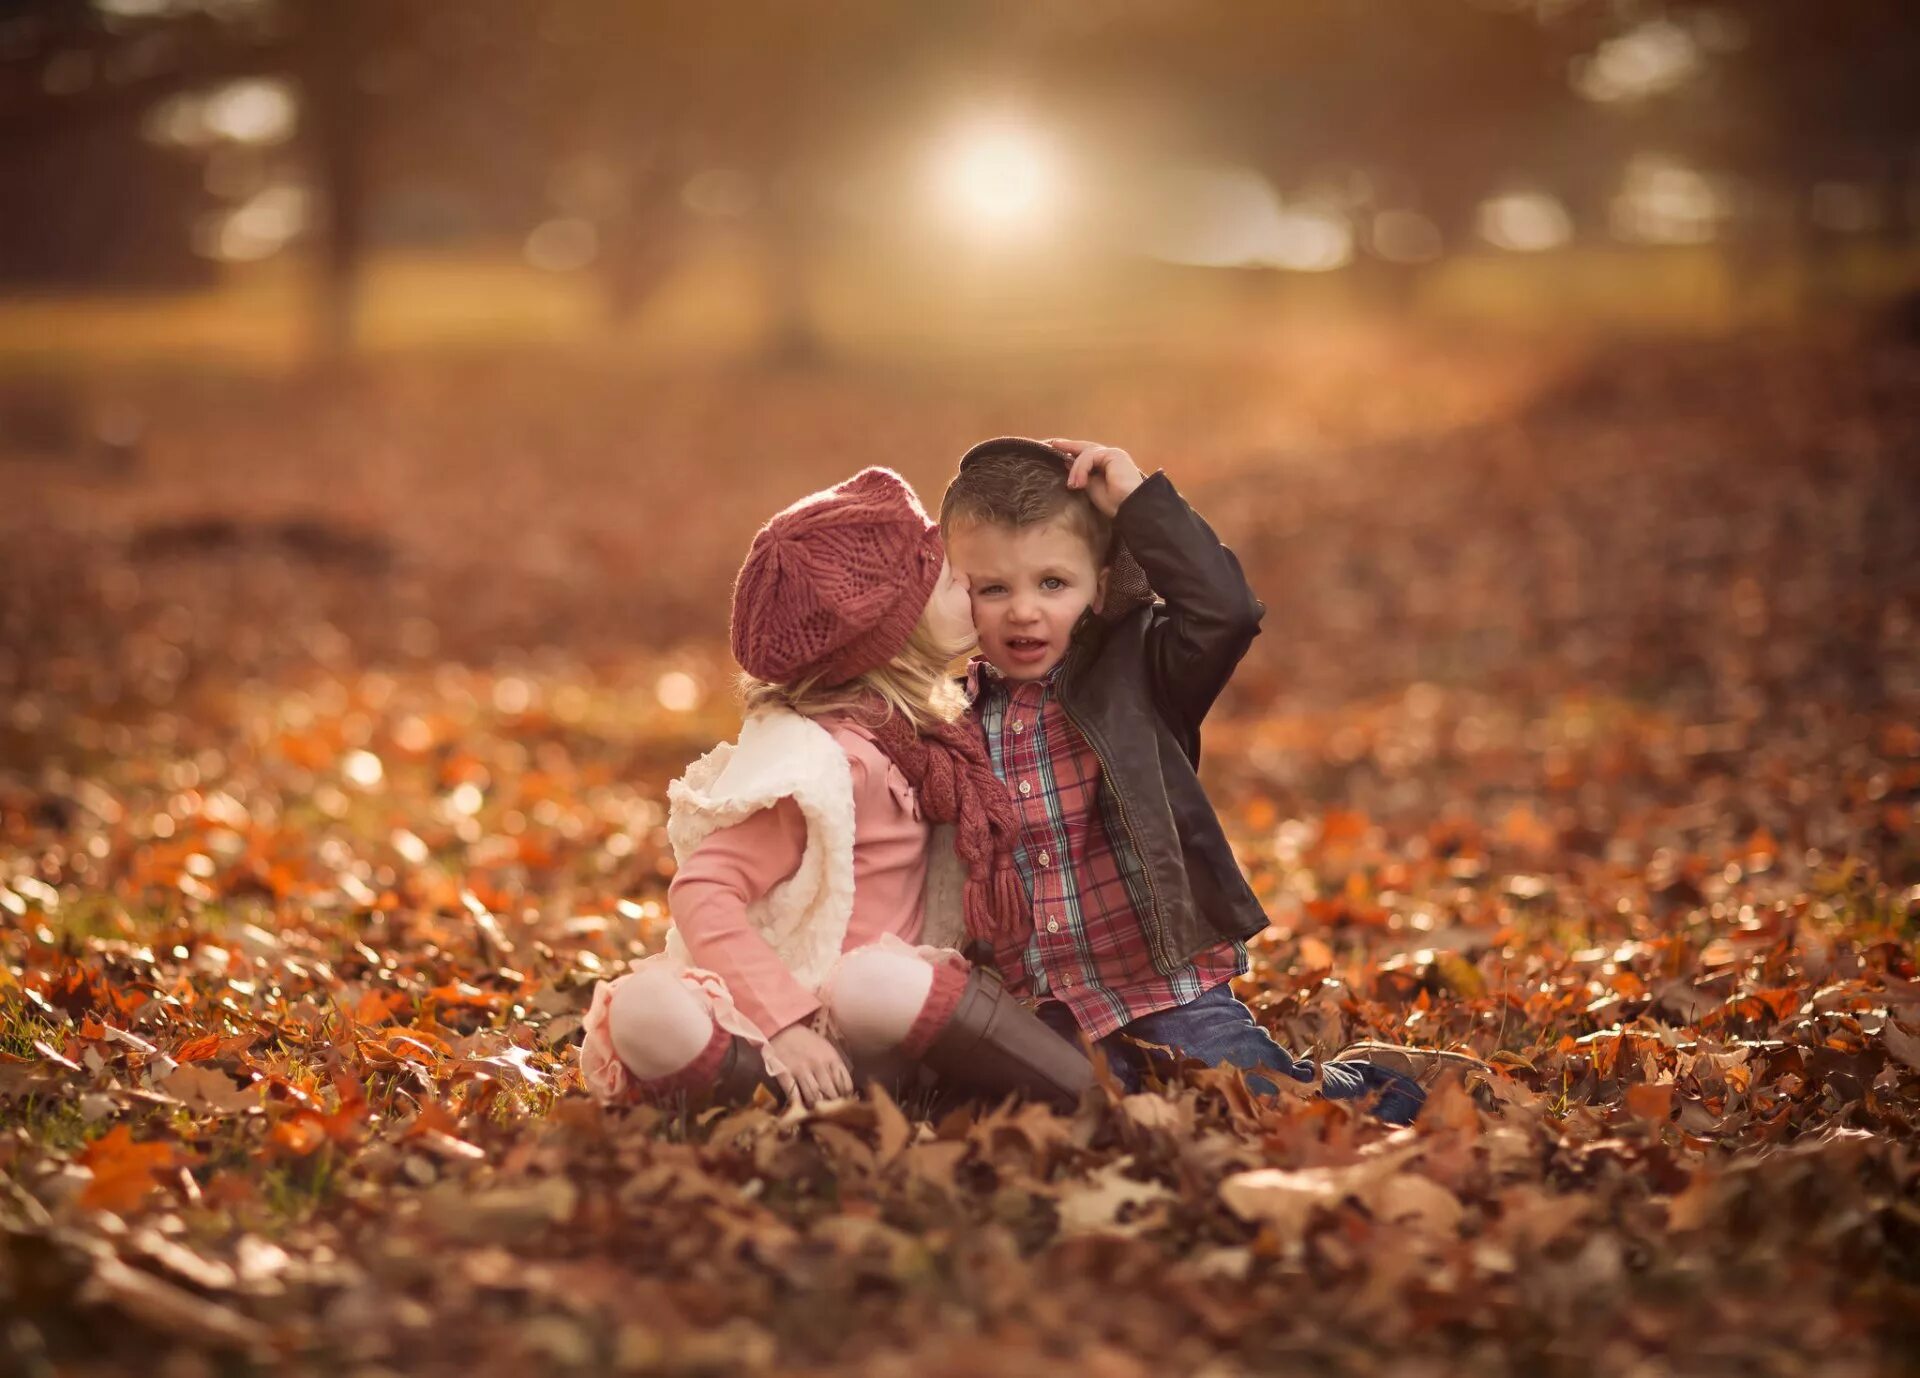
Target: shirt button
x: 1053, y: 925
x: 1026, y: 787
x: 1045, y: 857
x: 1019, y: 726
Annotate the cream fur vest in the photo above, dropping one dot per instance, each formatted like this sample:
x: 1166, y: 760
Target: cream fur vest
x: 781, y: 755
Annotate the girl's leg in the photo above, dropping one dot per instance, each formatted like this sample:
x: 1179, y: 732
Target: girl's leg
x: 884, y: 999
x: 665, y: 1035
x: 962, y: 1024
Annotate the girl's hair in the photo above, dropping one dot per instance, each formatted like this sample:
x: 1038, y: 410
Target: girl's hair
x: 915, y: 684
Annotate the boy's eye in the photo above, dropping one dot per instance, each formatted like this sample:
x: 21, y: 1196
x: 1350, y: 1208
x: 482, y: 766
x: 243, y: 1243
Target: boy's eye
x: 988, y: 588
x: 1050, y: 583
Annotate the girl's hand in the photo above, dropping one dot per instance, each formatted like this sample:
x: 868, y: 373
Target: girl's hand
x: 817, y: 1070
x: 1108, y: 475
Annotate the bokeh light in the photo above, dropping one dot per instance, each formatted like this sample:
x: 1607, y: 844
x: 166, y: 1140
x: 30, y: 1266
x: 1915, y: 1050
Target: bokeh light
x: 1665, y: 202
x: 1525, y: 221
x: 1652, y: 59
x: 997, y: 177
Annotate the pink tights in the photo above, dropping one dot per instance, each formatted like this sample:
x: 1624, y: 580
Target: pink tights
x: 882, y: 1001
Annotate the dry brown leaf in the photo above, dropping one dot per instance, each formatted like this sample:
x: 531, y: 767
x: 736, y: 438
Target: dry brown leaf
x: 1286, y: 1200
x: 170, y: 1309
x: 1150, y: 1111
x: 201, y: 1087
x: 1410, y: 1197
x: 1109, y: 1201
x: 503, y: 1215
x: 933, y: 1163
x: 1903, y: 1045
x: 1650, y: 1102
x: 892, y: 1132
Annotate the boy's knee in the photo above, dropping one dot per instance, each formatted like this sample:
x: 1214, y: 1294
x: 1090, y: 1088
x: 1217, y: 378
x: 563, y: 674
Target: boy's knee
x: 875, y: 996
x: 657, y: 1025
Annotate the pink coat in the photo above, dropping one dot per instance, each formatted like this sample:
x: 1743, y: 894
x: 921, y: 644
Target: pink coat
x: 747, y: 987
x: 736, y: 865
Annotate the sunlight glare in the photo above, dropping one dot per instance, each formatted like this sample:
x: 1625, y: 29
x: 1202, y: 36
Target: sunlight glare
x: 996, y: 178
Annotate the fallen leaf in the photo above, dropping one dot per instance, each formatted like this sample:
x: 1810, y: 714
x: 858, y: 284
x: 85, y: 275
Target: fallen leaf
x: 1649, y: 1101
x: 123, y: 1170
x: 1109, y: 1201
x: 170, y: 1309
x: 205, y: 1088
x: 1286, y: 1199
x: 513, y: 1065
x: 501, y: 1215
x: 933, y: 1163
x: 1409, y: 1197
x: 1903, y: 1045
x: 892, y: 1132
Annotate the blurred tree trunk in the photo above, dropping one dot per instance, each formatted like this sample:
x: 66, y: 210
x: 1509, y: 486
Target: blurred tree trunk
x: 795, y: 338
x: 1896, y: 193
x: 335, y: 33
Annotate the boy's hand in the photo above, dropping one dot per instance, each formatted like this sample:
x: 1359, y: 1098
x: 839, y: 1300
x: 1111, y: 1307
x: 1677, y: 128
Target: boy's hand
x: 1108, y: 475
x: 817, y: 1070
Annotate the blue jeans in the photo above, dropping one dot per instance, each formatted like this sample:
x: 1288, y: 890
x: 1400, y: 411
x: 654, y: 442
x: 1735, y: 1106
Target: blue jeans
x: 1216, y: 1028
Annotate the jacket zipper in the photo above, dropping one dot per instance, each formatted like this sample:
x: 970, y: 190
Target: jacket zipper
x: 1120, y: 798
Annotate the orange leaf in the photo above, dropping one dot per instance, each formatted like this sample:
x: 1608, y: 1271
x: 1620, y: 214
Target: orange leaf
x: 1344, y: 826
x: 1650, y: 1102
x: 198, y: 1049
x: 300, y: 1133
x: 1781, y: 1000
x: 458, y: 994
x: 1629, y: 984
x: 1315, y: 955
x: 378, y: 1006
x: 123, y: 1170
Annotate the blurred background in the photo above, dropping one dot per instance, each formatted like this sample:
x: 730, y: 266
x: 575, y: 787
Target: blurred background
x: 259, y: 181
x: 1523, y: 345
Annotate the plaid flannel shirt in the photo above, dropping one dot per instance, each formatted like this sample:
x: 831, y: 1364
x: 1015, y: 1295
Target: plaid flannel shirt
x: 1087, y: 885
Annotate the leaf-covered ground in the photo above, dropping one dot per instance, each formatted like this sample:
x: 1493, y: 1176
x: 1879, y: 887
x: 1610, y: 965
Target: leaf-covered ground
x: 335, y: 718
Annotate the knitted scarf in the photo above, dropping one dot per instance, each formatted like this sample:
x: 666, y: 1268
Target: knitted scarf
x: 948, y: 768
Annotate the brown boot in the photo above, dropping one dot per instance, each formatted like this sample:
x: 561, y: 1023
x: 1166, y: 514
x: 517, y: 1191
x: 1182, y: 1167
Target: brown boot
x: 1421, y: 1064
x: 994, y: 1045
x: 741, y: 1072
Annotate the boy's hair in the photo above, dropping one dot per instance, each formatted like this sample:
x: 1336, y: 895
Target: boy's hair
x: 915, y: 684
x: 1011, y: 489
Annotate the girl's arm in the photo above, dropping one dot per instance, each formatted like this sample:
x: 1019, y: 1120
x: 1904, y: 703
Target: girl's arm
x: 730, y: 869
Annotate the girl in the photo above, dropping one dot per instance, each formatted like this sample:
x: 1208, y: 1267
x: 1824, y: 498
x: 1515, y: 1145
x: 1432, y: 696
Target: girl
x: 816, y: 901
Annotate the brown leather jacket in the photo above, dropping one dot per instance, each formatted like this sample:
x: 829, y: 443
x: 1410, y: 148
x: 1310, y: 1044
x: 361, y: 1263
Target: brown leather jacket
x: 1137, y: 679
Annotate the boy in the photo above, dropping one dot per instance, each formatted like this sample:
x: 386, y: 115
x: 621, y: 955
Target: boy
x: 1090, y: 695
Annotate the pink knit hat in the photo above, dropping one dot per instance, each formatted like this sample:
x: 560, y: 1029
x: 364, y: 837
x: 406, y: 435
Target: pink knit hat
x: 834, y: 585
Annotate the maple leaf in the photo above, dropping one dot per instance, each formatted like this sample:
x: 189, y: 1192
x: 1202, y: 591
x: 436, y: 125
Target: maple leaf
x: 124, y: 1170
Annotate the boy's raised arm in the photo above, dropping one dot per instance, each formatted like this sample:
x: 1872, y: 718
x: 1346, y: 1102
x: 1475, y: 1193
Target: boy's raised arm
x: 1211, y: 615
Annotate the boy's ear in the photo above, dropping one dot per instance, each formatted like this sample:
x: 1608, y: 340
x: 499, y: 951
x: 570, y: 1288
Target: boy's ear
x: 1100, y: 590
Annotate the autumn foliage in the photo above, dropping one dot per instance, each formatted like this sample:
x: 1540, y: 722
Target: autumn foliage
x: 333, y: 742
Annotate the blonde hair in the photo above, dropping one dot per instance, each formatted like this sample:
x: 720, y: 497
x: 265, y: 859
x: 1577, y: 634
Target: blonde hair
x: 915, y: 684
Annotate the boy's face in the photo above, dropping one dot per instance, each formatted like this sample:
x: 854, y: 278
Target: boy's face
x: 1029, y: 586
